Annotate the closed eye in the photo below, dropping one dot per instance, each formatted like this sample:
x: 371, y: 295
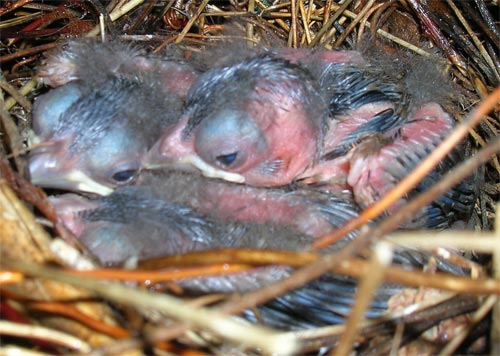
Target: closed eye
x: 226, y: 160
x: 124, y: 177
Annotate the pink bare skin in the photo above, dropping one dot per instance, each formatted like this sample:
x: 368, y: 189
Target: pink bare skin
x: 68, y: 206
x: 372, y: 167
x: 265, y: 160
x: 244, y: 204
x: 375, y: 162
x: 265, y: 131
x: 310, y: 211
x: 334, y: 172
x: 343, y: 125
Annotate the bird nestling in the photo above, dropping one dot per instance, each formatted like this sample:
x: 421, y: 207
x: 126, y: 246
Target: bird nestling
x: 109, y: 104
x: 141, y: 222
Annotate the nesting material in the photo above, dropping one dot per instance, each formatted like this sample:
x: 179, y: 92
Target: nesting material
x: 439, y: 289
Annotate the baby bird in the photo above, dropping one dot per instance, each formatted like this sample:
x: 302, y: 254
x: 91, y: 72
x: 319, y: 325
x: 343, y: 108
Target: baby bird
x: 309, y: 211
x: 97, y: 62
x: 109, y: 105
x: 193, y: 206
x: 259, y: 122
x: 137, y: 222
x: 266, y: 120
x: 133, y: 222
x: 359, y: 129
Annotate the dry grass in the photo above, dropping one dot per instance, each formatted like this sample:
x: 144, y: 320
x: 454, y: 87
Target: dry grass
x: 52, y: 308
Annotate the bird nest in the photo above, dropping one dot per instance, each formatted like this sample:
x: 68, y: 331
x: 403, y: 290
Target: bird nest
x: 55, y: 300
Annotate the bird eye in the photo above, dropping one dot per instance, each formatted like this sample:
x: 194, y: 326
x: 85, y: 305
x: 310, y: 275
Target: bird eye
x: 125, y: 177
x: 226, y: 160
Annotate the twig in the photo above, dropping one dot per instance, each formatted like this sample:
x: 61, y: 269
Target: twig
x: 379, y: 260
x: 417, y: 322
x: 12, y: 136
x: 495, y: 319
x: 330, y: 22
x: 305, y: 20
x: 15, y: 94
x: 474, y: 38
x: 28, y: 51
x: 292, y: 39
x: 25, y: 90
x: 11, y: 7
x: 354, y: 23
x: 115, y: 15
x: 72, y: 312
x: 165, y: 275
x: 43, y: 333
x: 489, y: 22
x: 13, y: 209
x: 191, y: 21
x: 451, y: 179
x: 120, y: 347
x: 437, y: 35
x: 352, y: 267
x: 11, y: 350
x: 479, y: 315
x: 482, y: 242
x: 10, y: 277
x: 250, y: 26
x: 369, y: 13
x: 225, y: 327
